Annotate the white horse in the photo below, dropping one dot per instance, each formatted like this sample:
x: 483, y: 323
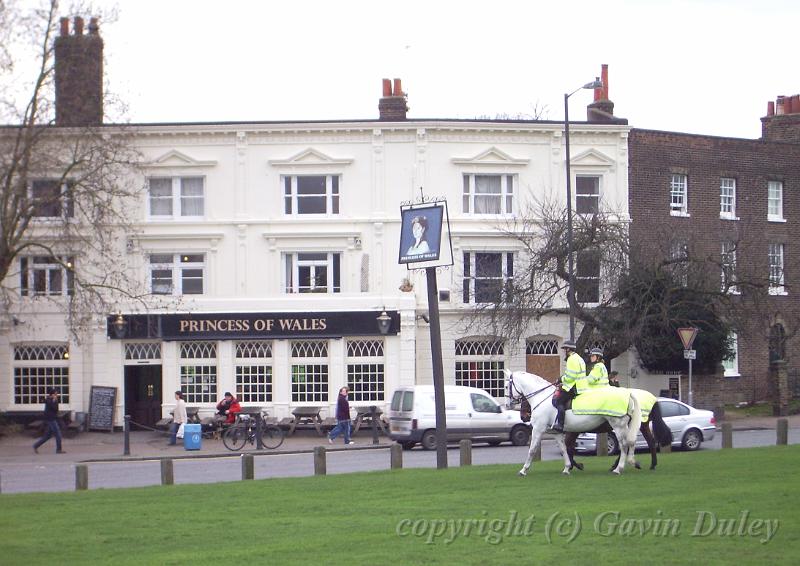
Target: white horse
x: 539, y: 392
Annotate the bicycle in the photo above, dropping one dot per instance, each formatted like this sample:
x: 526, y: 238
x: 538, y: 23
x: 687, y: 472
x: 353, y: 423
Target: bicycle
x: 244, y: 430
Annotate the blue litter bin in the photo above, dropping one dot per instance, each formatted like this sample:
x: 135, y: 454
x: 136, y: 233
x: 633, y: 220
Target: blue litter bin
x: 192, y: 437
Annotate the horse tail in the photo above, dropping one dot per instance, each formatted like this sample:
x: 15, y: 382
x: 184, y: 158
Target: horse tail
x: 660, y: 429
x: 635, y: 412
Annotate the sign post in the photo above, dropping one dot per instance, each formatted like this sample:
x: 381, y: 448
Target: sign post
x: 687, y: 336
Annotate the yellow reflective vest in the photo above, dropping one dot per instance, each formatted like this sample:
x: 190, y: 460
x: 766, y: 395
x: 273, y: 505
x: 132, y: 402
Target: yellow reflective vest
x: 598, y: 376
x: 574, y: 374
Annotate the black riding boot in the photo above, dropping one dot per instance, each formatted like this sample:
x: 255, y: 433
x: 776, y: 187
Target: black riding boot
x: 558, y: 426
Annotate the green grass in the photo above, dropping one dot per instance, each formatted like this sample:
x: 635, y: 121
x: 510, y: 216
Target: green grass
x: 759, y: 410
x: 354, y: 519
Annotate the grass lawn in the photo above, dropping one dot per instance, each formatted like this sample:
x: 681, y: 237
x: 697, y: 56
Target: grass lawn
x: 712, y: 507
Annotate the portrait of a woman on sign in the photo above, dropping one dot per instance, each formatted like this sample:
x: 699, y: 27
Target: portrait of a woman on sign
x: 421, y: 234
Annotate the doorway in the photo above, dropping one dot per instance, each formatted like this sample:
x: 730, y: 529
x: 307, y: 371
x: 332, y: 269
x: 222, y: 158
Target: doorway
x: 143, y: 394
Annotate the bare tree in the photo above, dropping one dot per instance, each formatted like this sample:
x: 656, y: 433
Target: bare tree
x: 66, y: 192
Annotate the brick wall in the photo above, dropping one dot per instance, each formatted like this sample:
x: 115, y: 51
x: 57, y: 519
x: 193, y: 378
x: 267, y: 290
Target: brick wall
x: 654, y: 157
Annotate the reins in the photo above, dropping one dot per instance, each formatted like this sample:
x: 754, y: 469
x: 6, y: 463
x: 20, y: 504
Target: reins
x: 521, y: 395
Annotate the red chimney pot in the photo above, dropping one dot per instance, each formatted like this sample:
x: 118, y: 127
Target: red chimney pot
x: 78, y: 25
x: 604, y: 78
x: 387, y: 87
x: 770, y: 108
x: 398, y: 90
x: 64, y: 26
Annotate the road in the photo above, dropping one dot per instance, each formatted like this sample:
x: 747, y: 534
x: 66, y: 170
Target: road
x: 32, y: 477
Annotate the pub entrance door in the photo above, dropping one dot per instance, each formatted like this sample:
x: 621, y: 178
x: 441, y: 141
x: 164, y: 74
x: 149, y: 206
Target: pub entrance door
x: 143, y: 394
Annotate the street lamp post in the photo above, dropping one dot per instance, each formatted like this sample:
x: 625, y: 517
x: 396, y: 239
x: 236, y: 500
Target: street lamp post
x: 597, y: 83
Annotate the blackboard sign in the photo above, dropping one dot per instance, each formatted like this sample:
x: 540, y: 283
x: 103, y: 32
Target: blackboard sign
x: 101, y: 408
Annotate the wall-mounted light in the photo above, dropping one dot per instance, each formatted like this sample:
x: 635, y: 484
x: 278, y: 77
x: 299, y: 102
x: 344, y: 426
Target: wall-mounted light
x: 120, y: 325
x: 384, y: 322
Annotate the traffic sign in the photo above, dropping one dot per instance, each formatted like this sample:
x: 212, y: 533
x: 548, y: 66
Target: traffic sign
x: 690, y: 354
x: 687, y: 336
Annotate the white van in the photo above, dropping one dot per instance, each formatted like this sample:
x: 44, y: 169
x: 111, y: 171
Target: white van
x: 470, y: 412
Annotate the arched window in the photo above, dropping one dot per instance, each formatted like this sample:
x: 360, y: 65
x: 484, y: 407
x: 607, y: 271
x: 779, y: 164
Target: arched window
x: 480, y: 363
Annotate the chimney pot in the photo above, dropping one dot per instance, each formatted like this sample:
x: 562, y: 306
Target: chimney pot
x: 779, y: 106
x: 770, y: 108
x: 796, y: 103
x: 387, y: 87
x: 78, y: 25
x: 64, y: 26
x: 788, y: 104
x: 94, y: 26
x: 604, y: 78
x: 398, y: 91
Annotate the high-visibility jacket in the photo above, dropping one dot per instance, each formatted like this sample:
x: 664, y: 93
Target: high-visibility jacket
x: 574, y: 374
x: 598, y: 376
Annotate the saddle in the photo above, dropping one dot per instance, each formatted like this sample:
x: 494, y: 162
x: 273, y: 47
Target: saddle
x: 565, y: 397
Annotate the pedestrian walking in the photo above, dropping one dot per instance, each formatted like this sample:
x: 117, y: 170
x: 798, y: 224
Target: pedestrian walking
x: 342, y: 418
x: 51, y: 418
x: 178, y: 418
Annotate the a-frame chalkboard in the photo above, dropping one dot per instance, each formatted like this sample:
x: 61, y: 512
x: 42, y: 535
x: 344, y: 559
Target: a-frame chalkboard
x: 101, y: 408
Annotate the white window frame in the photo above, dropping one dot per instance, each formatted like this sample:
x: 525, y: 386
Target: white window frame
x: 37, y: 368
x: 505, y: 193
x: 305, y: 354
x: 65, y: 202
x: 594, y: 278
x: 727, y: 198
x: 292, y: 199
x: 366, y: 369
x: 253, y: 371
x: 679, y: 194
x: 775, y: 257
x: 471, y: 277
x: 176, y: 197
x: 199, y: 371
x: 294, y: 261
x: 180, y: 262
x: 728, y: 265
x: 587, y: 197
x: 38, y: 267
x: 679, y: 250
x: 775, y: 201
x: 480, y: 363
x: 732, y: 366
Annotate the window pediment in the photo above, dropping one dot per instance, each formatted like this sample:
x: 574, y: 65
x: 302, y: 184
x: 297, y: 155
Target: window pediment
x: 491, y: 156
x: 175, y: 158
x: 311, y: 157
x: 592, y: 158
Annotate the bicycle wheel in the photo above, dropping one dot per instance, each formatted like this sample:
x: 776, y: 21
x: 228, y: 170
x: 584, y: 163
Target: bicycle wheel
x: 271, y: 436
x: 235, y: 437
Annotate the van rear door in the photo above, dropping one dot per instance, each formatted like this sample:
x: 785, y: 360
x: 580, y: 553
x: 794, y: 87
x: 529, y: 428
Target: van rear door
x: 401, y: 413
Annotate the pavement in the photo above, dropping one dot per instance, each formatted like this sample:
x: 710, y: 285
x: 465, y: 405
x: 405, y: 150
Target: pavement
x: 148, y: 445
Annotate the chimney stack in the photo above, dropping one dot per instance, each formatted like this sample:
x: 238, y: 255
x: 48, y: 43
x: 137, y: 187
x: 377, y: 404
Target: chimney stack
x: 79, y: 75
x: 392, y: 107
x: 782, y: 122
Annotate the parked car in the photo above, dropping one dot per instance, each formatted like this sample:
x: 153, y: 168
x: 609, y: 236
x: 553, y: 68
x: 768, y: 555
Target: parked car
x: 690, y: 428
x: 470, y: 412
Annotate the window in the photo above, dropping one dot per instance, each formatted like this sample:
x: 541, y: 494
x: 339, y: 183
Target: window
x: 775, y: 201
x: 488, y: 194
x: 672, y: 409
x: 480, y: 363
x: 365, y: 370
x: 679, y: 255
x: 482, y: 404
x: 254, y: 371
x: 52, y: 199
x: 313, y: 272
x: 198, y: 371
x: 177, y: 274
x: 587, y: 276
x: 311, y: 194
x: 587, y: 195
x: 176, y: 197
x: 727, y: 198
x: 47, y: 276
x: 38, y: 368
x: 729, y: 267
x: 486, y: 275
x: 776, y: 269
x: 732, y: 365
x: 678, y: 192
x: 309, y: 371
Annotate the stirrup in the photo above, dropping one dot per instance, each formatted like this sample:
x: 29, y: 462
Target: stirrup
x: 557, y: 426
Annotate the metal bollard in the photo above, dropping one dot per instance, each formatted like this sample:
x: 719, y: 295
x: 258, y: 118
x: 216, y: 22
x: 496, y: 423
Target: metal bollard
x: 396, y: 456
x: 465, y: 447
x: 81, y: 477
x: 727, y: 435
x: 783, y: 432
x: 126, y: 450
x: 602, y: 444
x: 248, y: 467
x: 320, y: 467
x: 259, y: 429
x: 167, y: 474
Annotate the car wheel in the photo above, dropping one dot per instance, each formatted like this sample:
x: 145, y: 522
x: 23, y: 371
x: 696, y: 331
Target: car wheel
x: 613, y: 444
x: 408, y: 445
x: 429, y: 440
x: 692, y: 439
x: 520, y: 435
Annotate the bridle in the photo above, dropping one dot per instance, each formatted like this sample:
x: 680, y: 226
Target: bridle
x: 520, y: 395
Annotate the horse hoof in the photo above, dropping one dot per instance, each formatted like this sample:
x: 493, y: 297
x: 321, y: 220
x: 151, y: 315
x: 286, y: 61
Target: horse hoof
x: 579, y: 466
x: 638, y: 467
x: 521, y: 474
x: 616, y: 471
x: 652, y: 468
x: 565, y: 472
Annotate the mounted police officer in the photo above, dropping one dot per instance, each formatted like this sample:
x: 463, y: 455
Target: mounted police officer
x: 598, y: 375
x: 573, y: 381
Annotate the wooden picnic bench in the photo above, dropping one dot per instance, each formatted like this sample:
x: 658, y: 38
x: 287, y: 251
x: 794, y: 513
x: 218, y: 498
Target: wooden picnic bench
x: 306, y: 416
x: 365, y: 416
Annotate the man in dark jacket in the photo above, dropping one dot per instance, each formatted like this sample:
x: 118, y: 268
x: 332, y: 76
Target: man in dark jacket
x: 51, y: 418
x: 342, y: 418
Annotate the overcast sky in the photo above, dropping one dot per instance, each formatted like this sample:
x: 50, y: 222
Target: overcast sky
x: 702, y: 66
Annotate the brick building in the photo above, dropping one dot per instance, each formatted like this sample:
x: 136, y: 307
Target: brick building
x: 737, y: 200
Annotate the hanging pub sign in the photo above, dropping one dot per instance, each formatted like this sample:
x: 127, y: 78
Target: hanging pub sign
x: 425, y: 235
